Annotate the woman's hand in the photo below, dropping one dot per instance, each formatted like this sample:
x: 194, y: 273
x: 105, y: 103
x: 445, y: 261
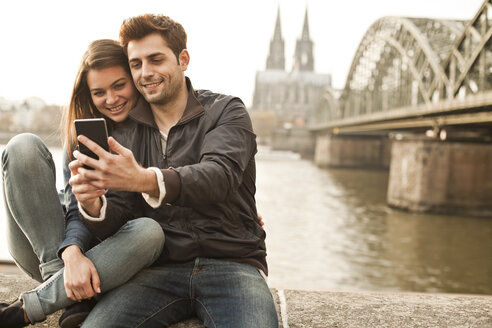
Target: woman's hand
x: 86, y: 194
x: 80, y: 275
x: 260, y: 218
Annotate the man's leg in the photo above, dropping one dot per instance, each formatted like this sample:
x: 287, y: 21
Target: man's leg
x: 135, y: 246
x: 156, y: 297
x: 35, y: 218
x: 221, y: 293
x: 229, y: 294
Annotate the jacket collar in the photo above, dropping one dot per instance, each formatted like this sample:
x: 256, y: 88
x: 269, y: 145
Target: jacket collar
x: 143, y: 114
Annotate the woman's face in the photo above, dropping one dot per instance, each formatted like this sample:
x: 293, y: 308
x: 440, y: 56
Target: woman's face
x: 112, y: 92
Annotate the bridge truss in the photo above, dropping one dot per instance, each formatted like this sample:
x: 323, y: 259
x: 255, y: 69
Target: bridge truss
x: 413, y: 67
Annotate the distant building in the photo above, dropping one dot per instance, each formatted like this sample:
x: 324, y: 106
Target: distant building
x: 290, y: 95
x: 31, y: 114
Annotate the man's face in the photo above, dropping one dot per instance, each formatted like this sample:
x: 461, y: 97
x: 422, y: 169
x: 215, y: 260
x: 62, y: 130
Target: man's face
x: 155, y: 69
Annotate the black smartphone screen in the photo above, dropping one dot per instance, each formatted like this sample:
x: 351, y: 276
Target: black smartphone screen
x: 94, y: 129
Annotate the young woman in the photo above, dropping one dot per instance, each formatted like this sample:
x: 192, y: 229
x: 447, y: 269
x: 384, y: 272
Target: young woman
x: 45, y: 238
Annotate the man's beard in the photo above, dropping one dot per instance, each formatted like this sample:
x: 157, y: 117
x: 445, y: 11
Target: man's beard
x: 167, y: 94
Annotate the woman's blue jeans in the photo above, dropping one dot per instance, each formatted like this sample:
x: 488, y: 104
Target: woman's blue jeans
x: 36, y: 228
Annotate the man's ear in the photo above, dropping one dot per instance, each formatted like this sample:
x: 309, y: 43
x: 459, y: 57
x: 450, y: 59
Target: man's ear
x: 184, y: 59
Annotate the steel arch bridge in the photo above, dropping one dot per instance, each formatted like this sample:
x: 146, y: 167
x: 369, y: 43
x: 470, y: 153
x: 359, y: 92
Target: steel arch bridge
x: 415, y: 72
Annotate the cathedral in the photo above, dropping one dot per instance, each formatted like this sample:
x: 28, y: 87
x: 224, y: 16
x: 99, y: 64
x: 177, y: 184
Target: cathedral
x: 290, y: 95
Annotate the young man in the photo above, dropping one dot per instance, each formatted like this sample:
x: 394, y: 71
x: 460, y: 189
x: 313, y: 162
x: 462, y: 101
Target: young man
x: 198, y: 149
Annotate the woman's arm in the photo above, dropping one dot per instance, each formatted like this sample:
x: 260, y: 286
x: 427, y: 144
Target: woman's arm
x: 80, y: 274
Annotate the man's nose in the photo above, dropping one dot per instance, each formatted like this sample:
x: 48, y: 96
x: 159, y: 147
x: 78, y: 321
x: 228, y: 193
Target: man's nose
x: 146, y: 70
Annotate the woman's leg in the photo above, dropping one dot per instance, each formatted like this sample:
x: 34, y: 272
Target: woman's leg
x: 35, y: 217
x: 135, y: 246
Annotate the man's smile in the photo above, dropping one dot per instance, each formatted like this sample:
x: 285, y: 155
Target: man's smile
x: 151, y: 85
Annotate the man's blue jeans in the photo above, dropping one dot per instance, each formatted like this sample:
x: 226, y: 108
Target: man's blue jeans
x: 36, y: 228
x: 220, y: 293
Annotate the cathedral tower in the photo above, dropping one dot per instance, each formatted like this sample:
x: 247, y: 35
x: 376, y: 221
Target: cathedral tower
x: 276, y: 58
x: 303, y: 57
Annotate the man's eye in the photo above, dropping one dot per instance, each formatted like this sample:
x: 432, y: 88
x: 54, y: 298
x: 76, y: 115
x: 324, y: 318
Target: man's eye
x: 134, y: 65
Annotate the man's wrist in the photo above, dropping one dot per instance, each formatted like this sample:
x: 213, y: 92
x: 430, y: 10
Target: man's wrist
x: 149, y: 184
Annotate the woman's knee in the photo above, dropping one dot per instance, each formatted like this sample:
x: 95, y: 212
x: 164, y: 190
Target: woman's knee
x: 23, y: 149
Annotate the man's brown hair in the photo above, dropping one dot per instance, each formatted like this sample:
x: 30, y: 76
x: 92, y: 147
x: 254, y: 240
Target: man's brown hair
x: 138, y: 27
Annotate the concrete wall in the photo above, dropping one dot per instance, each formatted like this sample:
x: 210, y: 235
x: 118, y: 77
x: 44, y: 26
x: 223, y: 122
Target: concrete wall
x: 445, y: 177
x: 352, y: 151
x: 322, y: 309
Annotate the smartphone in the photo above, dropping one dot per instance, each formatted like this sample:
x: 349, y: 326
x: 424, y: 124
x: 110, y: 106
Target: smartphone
x: 94, y: 129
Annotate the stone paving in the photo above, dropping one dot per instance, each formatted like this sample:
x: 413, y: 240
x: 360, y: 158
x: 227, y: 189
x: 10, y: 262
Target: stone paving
x: 324, y: 309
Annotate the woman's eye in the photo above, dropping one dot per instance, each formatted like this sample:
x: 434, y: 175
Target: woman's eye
x: 119, y: 86
x: 98, y: 94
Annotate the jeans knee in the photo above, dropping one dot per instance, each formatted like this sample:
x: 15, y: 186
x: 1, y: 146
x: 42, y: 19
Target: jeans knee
x: 23, y: 150
x: 148, y: 234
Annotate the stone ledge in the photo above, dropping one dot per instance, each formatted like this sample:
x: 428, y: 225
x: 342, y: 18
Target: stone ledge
x: 312, y: 309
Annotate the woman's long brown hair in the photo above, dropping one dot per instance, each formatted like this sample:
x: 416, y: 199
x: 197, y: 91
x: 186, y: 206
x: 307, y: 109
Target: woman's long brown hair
x: 100, y: 54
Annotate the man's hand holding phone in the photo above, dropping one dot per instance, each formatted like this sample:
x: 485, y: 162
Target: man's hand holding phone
x: 118, y: 170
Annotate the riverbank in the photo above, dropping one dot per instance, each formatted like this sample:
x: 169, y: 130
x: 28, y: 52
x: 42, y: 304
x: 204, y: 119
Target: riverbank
x: 51, y: 139
x: 339, y: 309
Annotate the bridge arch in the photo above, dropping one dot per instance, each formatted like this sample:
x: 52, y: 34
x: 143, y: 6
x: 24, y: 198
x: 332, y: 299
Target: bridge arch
x: 468, y: 67
x: 398, y: 64
x: 327, y: 109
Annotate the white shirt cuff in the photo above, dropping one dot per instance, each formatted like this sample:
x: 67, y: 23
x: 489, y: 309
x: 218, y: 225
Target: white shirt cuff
x: 155, y: 202
x: 102, y: 213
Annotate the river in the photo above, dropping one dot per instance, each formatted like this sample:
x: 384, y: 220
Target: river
x: 330, y: 229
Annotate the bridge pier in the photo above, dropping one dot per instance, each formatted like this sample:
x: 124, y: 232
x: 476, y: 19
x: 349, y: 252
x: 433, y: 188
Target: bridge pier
x: 352, y: 151
x: 298, y: 140
x: 451, y: 177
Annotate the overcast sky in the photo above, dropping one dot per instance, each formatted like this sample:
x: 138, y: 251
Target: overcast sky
x: 42, y: 41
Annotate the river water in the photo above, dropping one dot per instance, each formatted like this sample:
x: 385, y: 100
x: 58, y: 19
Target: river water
x: 330, y: 229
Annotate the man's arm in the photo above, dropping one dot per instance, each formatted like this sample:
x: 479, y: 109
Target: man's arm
x: 226, y: 152
x: 118, y: 171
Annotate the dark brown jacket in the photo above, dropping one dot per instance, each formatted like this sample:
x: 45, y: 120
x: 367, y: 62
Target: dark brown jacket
x: 209, y: 172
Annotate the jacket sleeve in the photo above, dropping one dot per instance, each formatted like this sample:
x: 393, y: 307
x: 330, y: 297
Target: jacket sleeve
x: 121, y: 207
x: 227, y: 149
x: 76, y: 232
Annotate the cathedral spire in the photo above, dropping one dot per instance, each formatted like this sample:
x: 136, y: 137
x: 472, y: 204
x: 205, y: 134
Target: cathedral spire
x: 304, y: 57
x: 276, y: 57
x: 277, y: 34
x: 305, y: 28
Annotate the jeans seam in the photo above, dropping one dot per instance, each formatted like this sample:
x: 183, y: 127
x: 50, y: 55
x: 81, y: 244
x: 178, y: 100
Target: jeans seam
x: 51, y: 280
x: 206, y: 310
x: 193, y: 272
x: 159, y: 310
